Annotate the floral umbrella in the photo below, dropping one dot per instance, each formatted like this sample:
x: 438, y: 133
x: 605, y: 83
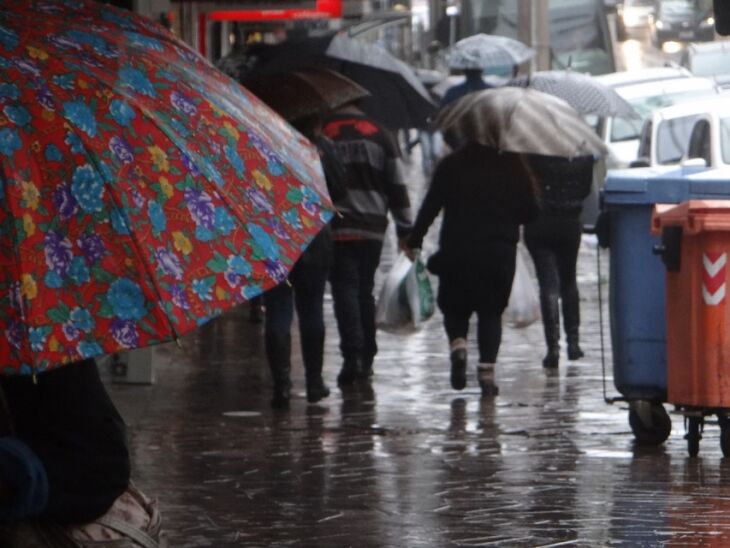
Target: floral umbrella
x: 142, y: 191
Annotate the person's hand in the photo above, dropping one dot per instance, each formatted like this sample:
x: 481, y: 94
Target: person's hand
x: 410, y: 252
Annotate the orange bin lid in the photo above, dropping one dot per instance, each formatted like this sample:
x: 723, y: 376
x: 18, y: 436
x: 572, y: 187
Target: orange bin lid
x: 693, y: 216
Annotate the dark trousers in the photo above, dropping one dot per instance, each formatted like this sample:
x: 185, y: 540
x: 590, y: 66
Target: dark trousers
x: 482, y: 285
x: 553, y: 244
x: 352, y: 279
x: 308, y: 279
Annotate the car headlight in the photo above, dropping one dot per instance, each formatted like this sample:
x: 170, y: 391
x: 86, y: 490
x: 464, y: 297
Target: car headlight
x: 709, y: 22
x: 659, y: 25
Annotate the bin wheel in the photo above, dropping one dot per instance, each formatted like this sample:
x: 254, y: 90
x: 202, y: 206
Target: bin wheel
x: 724, y: 422
x: 693, y: 435
x: 656, y: 430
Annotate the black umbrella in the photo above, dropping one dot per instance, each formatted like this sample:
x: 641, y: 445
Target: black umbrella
x: 397, y: 97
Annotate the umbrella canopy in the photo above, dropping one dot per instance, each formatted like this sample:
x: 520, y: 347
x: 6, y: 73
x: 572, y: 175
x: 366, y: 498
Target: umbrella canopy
x: 520, y: 120
x: 484, y: 51
x: 143, y: 191
x: 397, y: 99
x: 303, y: 92
x: 583, y: 92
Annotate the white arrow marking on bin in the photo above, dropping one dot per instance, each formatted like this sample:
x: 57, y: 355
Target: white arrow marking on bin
x: 713, y: 278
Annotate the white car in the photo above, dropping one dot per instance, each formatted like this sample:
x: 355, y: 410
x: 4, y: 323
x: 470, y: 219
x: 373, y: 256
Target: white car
x: 695, y: 133
x: 621, y: 135
x: 710, y: 60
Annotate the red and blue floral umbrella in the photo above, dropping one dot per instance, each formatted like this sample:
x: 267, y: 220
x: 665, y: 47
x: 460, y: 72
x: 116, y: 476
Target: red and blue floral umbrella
x: 142, y: 192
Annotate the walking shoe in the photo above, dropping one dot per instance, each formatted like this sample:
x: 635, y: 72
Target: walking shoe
x: 458, y: 364
x: 282, y: 393
x: 574, y: 351
x: 366, y: 370
x: 316, y: 390
x: 485, y: 376
x: 349, y: 372
x: 551, y: 359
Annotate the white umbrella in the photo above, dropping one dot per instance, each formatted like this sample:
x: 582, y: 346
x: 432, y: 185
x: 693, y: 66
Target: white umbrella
x: 521, y: 120
x: 582, y: 91
x: 482, y: 51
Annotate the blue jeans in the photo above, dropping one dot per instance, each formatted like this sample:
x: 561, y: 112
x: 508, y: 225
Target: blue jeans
x: 308, y: 279
x: 352, y: 279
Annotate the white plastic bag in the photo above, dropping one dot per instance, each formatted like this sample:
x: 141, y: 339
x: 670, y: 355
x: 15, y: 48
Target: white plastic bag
x: 406, y: 299
x: 523, y: 308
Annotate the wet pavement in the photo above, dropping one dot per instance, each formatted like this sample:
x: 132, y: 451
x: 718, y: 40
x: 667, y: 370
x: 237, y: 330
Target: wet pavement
x: 407, y: 461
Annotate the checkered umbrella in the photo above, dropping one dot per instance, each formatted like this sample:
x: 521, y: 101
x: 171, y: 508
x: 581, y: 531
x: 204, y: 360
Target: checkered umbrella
x: 583, y: 92
x: 483, y: 51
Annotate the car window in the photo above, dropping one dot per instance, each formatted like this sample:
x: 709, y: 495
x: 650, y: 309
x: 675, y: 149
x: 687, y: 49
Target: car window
x: 675, y: 8
x: 725, y: 140
x: 624, y: 129
x: 699, y: 142
x: 672, y: 139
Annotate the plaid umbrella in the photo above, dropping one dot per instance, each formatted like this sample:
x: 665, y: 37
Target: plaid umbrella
x: 583, y: 92
x: 304, y: 92
x: 520, y: 120
x: 483, y: 51
x: 143, y: 191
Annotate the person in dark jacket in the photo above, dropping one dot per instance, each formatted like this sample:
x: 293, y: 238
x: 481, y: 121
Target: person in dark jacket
x: 473, y: 81
x: 63, y: 451
x: 553, y: 241
x: 374, y: 187
x: 304, y: 290
x: 485, y: 196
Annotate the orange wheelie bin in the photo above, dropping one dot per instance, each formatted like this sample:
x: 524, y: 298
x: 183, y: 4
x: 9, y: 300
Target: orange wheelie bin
x: 695, y: 243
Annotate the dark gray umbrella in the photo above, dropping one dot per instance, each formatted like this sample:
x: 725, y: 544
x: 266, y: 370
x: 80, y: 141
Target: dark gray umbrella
x: 581, y: 91
x: 397, y: 97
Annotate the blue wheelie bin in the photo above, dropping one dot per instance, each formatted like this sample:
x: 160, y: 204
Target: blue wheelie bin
x: 637, y: 284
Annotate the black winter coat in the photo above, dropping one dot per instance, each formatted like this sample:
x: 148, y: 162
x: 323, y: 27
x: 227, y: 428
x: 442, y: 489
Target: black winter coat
x: 563, y: 183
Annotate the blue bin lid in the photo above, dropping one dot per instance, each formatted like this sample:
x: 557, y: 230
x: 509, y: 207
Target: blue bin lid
x: 667, y: 185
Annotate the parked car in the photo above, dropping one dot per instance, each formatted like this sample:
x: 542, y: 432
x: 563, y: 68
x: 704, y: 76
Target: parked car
x: 682, y: 21
x: 632, y: 14
x: 709, y: 59
x: 694, y: 133
x: 621, y: 135
x: 650, y: 74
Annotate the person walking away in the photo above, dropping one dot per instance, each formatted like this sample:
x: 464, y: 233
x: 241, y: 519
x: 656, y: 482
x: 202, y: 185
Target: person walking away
x: 374, y: 187
x: 304, y: 290
x: 473, y: 82
x: 485, y: 196
x: 553, y: 240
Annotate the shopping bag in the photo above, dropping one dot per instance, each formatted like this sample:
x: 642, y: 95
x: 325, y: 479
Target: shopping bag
x: 523, y: 308
x: 406, y: 298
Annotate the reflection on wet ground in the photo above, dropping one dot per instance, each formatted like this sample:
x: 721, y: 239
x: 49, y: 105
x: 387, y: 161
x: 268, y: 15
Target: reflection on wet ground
x: 408, y: 462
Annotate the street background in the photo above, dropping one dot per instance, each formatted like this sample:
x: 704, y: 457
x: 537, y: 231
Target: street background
x: 410, y: 462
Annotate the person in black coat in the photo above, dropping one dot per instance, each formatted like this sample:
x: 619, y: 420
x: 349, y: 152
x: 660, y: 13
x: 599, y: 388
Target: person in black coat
x: 63, y: 446
x: 304, y: 290
x: 485, y: 196
x: 553, y: 240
